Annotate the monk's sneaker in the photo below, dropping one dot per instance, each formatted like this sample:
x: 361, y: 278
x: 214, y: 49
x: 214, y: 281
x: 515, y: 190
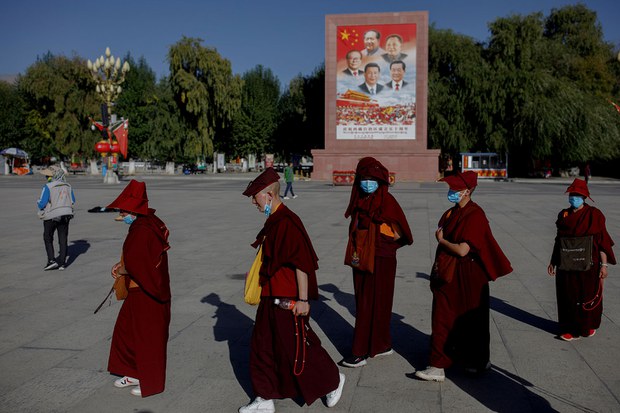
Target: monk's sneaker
x: 431, y: 374
x: 126, y: 382
x: 259, y: 405
x: 333, y: 396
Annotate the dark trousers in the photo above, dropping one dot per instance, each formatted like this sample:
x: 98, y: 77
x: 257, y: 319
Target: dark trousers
x: 60, y: 224
x: 289, y: 187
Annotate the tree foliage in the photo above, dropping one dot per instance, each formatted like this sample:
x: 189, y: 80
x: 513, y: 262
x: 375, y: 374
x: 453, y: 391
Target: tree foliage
x: 59, y: 96
x: 12, y: 116
x: 205, y: 89
x: 539, y: 90
x: 302, y: 115
x: 256, y: 121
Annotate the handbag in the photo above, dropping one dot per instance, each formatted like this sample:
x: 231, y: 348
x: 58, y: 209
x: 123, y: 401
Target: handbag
x: 360, y: 252
x: 444, y: 267
x: 253, y: 288
x: 575, y: 253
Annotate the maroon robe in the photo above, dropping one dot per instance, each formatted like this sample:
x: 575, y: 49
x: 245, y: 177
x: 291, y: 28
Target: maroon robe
x: 574, y: 288
x: 460, y: 317
x: 374, y: 293
x: 277, y: 338
x: 140, y: 337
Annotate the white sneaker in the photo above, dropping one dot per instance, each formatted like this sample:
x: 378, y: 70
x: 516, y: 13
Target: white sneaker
x: 333, y: 396
x: 136, y: 391
x: 294, y: 196
x: 259, y: 405
x: 387, y: 352
x: 286, y: 197
x: 126, y: 382
x: 431, y: 374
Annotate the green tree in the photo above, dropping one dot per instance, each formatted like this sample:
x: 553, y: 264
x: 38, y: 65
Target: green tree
x: 542, y: 110
x: 302, y: 115
x: 166, y: 127
x: 12, y: 116
x: 135, y: 103
x: 256, y: 121
x: 459, y: 83
x: 59, y: 95
x: 205, y: 89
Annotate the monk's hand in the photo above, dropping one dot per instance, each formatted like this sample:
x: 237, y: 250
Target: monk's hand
x: 439, y: 234
x: 115, y: 269
x: 603, y: 272
x: 551, y: 270
x: 301, y: 308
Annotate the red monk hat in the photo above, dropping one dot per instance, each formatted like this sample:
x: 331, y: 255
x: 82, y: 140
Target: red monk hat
x: 461, y: 181
x: 261, y: 182
x: 580, y: 187
x: 132, y: 199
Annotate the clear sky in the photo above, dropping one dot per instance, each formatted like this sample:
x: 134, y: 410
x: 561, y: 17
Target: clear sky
x: 287, y: 36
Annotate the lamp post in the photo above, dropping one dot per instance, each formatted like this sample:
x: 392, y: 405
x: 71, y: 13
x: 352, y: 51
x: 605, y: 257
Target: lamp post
x: 108, y: 72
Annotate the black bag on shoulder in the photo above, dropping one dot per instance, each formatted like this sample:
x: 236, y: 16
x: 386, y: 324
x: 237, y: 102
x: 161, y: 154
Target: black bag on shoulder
x: 575, y: 253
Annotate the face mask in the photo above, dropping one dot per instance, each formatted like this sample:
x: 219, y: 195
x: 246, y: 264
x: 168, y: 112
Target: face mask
x: 369, y: 186
x: 575, y: 201
x: 454, y: 196
x: 268, y: 208
x: 129, y: 219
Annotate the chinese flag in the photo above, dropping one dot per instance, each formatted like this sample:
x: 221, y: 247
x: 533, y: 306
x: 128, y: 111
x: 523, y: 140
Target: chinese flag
x: 350, y: 38
x: 121, y: 136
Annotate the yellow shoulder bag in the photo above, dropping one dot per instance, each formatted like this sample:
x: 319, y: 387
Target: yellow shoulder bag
x: 252, y: 282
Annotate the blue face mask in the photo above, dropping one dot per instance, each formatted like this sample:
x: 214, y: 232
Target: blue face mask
x: 454, y: 196
x: 369, y: 186
x: 268, y: 208
x: 575, y: 201
x: 129, y: 219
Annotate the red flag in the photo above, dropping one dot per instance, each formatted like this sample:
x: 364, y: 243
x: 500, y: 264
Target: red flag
x: 120, y: 133
x: 350, y: 37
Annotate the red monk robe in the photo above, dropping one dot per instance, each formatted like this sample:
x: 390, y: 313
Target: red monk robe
x: 277, y: 339
x: 140, y: 336
x: 578, y: 287
x: 374, y: 293
x: 460, y: 315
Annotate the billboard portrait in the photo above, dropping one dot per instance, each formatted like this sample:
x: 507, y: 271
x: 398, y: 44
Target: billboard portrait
x: 376, y: 82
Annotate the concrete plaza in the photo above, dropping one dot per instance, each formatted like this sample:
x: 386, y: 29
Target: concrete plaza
x: 54, y: 350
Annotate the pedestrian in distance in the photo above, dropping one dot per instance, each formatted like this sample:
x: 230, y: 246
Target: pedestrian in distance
x: 582, y: 252
x: 286, y: 356
x: 377, y: 229
x: 289, y: 177
x: 56, y: 210
x: 138, y: 351
x: 467, y: 258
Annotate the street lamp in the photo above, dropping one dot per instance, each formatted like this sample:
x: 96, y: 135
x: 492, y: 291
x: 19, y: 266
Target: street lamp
x: 108, y: 72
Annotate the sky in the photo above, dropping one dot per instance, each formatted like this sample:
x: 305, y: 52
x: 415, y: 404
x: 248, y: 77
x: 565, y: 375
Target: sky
x: 286, y: 36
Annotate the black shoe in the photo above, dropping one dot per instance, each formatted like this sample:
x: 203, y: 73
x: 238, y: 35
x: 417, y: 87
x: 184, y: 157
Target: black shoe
x: 52, y: 265
x: 354, y: 361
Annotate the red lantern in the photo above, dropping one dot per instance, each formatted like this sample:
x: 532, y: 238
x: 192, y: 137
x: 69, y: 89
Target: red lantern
x: 103, y: 147
x: 115, y: 147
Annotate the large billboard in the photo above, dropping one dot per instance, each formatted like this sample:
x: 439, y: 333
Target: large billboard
x: 376, y: 82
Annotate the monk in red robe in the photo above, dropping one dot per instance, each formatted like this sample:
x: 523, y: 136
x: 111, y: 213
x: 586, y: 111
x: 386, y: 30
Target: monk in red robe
x: 460, y: 317
x: 140, y: 339
x: 373, y: 208
x: 286, y: 356
x: 580, y: 293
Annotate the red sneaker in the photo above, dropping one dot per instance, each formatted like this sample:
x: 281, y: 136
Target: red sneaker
x: 591, y: 333
x: 567, y: 337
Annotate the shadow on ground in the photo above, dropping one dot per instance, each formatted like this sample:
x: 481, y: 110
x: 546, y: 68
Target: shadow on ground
x: 233, y: 327
x: 75, y: 249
